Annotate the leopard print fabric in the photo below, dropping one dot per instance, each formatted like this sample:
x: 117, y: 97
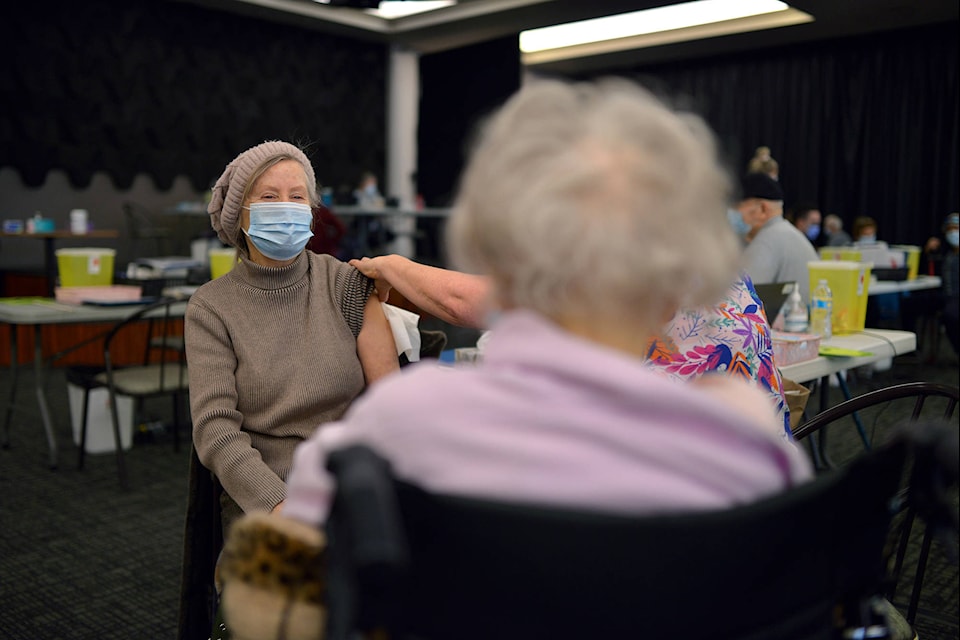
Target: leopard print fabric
x: 277, y: 555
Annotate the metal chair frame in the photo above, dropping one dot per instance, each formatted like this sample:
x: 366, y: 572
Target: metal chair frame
x: 151, y: 379
x: 920, y: 392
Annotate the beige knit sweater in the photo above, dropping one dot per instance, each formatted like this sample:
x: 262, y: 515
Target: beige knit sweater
x: 272, y: 355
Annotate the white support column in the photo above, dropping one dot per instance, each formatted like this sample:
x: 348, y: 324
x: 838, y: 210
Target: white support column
x: 403, y: 103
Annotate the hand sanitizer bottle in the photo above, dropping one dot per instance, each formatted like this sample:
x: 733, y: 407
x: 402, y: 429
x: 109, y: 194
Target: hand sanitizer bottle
x: 796, y: 317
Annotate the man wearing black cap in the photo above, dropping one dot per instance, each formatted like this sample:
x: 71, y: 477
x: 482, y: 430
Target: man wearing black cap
x: 778, y: 252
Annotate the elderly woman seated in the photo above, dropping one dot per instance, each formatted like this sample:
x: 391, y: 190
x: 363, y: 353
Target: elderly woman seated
x: 596, y: 212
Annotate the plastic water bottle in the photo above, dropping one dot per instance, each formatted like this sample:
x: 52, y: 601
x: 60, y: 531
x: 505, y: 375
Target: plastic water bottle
x: 821, y: 310
x: 795, y: 318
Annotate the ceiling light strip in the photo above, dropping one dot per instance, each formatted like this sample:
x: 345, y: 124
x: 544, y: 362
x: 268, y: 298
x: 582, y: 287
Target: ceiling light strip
x: 728, y: 27
x: 648, y: 21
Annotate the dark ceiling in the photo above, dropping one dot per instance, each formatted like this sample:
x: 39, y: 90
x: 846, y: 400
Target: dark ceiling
x: 473, y: 21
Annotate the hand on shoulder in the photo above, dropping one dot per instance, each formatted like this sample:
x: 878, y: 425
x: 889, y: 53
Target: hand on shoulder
x: 370, y: 267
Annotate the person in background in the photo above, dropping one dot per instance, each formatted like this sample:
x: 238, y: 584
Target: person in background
x: 864, y: 230
x: 833, y: 230
x: 763, y: 162
x: 806, y: 218
x: 281, y: 344
x: 778, y: 251
x: 943, y: 259
x: 741, y: 228
x: 367, y: 192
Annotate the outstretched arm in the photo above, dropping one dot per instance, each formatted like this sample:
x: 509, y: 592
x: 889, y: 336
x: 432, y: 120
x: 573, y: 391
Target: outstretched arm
x: 454, y: 297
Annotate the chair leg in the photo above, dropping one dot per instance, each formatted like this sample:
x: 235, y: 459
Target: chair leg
x: 818, y: 462
x: 918, y: 577
x: 906, y: 527
x: 176, y: 422
x: 856, y: 416
x: 115, y: 418
x: 83, y: 429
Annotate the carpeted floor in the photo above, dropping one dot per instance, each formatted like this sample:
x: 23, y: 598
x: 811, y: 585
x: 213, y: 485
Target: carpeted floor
x: 82, y: 559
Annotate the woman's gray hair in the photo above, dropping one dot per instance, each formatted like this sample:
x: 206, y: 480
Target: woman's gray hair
x: 596, y: 197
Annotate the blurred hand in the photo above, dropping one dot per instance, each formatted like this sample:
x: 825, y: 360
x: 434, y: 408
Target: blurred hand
x: 933, y: 244
x: 369, y: 268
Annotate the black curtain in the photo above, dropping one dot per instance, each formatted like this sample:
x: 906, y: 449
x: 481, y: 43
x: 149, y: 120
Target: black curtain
x: 459, y: 88
x: 860, y: 126
x: 168, y: 88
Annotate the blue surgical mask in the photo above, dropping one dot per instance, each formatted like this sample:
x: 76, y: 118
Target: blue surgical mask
x: 740, y: 227
x: 953, y: 237
x: 280, y: 230
x: 867, y: 240
x: 813, y: 231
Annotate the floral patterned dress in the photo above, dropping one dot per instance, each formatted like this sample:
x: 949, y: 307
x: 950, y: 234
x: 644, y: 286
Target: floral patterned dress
x: 733, y: 337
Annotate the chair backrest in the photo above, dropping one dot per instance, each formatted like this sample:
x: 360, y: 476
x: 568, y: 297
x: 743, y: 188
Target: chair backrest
x: 164, y: 336
x: 142, y: 225
x: 920, y: 392
x: 427, y: 566
x: 922, y: 494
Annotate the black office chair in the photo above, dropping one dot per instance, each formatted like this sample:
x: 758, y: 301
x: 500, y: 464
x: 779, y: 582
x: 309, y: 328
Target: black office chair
x: 421, y: 565
x: 928, y: 400
x: 158, y: 375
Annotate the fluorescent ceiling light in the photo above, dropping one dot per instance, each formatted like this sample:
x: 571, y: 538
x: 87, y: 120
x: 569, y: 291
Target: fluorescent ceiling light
x: 661, y: 25
x: 390, y: 9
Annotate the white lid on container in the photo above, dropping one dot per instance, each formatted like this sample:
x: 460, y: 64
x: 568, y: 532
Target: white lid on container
x: 842, y: 265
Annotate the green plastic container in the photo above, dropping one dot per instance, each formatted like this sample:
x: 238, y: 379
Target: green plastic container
x: 85, y: 267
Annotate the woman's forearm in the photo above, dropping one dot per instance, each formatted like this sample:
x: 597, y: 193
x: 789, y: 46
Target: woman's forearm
x: 452, y: 296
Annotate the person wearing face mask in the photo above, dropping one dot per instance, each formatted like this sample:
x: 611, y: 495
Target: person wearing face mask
x: 367, y: 193
x: 864, y: 231
x: 277, y: 347
x: 740, y: 228
x: 943, y: 259
x: 284, y: 341
x: 806, y: 218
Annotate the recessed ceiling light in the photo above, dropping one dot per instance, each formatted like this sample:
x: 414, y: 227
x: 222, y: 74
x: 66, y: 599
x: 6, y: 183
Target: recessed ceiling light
x: 650, y: 21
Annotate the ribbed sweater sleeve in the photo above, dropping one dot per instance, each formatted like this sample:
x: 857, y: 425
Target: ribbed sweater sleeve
x: 353, y: 290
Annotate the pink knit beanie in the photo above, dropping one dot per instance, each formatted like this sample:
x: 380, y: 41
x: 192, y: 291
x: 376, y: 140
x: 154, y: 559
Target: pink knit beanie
x: 227, y: 196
